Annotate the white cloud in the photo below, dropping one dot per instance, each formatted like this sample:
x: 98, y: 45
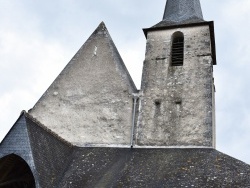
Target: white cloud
x: 232, y: 76
x: 29, y: 63
x: 133, y: 55
x: 11, y: 105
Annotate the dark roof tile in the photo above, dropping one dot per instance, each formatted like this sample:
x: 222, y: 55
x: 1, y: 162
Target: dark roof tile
x: 182, y: 12
x: 113, y: 167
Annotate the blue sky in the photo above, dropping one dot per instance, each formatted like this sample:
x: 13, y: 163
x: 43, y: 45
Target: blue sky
x: 38, y: 38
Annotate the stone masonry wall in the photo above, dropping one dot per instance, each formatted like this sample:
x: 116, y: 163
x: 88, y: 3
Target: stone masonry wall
x: 90, y: 103
x: 176, y: 104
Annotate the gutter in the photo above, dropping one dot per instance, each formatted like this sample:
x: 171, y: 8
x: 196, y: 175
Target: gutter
x: 135, y: 98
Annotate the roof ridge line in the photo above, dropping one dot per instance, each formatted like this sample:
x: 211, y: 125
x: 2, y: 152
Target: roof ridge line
x: 38, y: 123
x: 66, y: 168
x: 131, y: 83
x: 21, y: 114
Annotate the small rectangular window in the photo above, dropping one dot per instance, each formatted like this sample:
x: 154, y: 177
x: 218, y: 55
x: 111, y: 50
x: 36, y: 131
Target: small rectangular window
x: 177, y: 51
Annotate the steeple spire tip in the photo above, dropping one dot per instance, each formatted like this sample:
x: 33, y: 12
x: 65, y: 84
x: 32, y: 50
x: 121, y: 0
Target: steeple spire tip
x: 183, y: 11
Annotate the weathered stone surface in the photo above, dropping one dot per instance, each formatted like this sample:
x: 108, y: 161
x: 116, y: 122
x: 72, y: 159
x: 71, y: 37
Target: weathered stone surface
x: 90, y: 102
x: 176, y: 104
x: 148, y: 168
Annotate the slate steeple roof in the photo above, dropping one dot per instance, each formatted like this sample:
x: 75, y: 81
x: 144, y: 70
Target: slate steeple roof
x: 181, y: 12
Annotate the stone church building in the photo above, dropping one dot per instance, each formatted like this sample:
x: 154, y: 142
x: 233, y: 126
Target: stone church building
x: 93, y: 128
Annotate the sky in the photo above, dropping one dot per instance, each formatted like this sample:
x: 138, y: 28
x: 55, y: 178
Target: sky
x: 38, y: 38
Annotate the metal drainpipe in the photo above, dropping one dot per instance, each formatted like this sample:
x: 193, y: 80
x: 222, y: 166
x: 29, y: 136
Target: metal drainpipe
x: 133, y: 121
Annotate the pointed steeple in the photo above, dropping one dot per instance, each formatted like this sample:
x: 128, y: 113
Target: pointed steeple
x: 181, y: 12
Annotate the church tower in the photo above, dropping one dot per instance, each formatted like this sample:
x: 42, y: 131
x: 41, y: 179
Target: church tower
x: 93, y: 128
x: 176, y: 107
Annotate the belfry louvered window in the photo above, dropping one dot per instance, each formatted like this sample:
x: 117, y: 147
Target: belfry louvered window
x: 177, y: 49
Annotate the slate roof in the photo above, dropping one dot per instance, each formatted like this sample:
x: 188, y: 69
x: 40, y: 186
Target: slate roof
x: 114, y: 167
x: 179, y: 12
x: 59, y: 164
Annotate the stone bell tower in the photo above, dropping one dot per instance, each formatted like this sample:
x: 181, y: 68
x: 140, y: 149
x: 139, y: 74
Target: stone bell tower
x: 176, y: 107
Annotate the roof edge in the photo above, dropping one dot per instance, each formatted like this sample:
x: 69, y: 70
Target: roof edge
x: 38, y: 123
x: 165, y: 10
x: 131, y: 83
x: 21, y: 114
x: 231, y: 157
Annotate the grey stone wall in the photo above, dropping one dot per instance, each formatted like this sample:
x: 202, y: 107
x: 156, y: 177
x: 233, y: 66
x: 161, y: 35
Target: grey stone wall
x: 176, y: 104
x: 90, y: 103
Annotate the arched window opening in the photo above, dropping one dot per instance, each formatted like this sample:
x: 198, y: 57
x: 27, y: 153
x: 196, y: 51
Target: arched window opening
x: 177, y: 49
x: 15, y: 172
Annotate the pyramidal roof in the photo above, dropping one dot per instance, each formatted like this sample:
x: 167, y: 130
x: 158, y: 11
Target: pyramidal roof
x: 181, y: 12
x: 95, y: 88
